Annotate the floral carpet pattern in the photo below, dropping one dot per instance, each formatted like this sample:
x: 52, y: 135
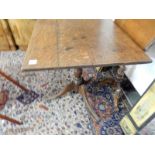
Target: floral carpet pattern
x: 67, y: 115
x: 100, y: 98
x: 41, y: 114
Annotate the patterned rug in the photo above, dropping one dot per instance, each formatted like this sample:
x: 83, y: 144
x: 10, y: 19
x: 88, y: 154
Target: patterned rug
x: 67, y: 115
x: 41, y: 114
x: 101, y: 100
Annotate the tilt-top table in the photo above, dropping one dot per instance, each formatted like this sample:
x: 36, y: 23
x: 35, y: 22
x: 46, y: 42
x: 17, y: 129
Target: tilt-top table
x: 75, y: 43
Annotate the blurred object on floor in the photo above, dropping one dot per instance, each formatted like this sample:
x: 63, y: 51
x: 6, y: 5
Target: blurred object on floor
x: 12, y: 120
x: 27, y: 97
x: 9, y: 78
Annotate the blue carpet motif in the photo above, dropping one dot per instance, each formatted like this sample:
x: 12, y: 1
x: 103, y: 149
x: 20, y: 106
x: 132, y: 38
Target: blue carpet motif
x: 102, y: 102
x: 27, y: 97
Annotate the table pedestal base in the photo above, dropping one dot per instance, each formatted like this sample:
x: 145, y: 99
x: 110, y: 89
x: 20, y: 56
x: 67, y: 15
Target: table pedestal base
x: 77, y: 85
x: 74, y: 85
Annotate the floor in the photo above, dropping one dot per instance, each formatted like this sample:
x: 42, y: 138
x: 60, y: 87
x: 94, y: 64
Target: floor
x: 67, y: 115
x: 41, y: 114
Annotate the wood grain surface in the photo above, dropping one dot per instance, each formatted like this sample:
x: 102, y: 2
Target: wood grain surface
x: 6, y: 40
x: 22, y: 31
x: 80, y: 43
x: 142, y: 31
x: 8, y: 34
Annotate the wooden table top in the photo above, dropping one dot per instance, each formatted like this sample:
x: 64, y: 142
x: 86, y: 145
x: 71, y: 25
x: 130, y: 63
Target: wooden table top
x: 142, y: 31
x: 80, y: 43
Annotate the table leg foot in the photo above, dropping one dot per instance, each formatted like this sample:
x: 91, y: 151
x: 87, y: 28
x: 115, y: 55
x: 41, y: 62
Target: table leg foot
x: 73, y: 86
x: 68, y: 88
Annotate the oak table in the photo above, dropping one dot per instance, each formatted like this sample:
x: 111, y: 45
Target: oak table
x: 81, y: 43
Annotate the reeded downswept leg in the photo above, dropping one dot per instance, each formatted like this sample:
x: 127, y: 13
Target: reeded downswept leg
x: 74, y: 85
